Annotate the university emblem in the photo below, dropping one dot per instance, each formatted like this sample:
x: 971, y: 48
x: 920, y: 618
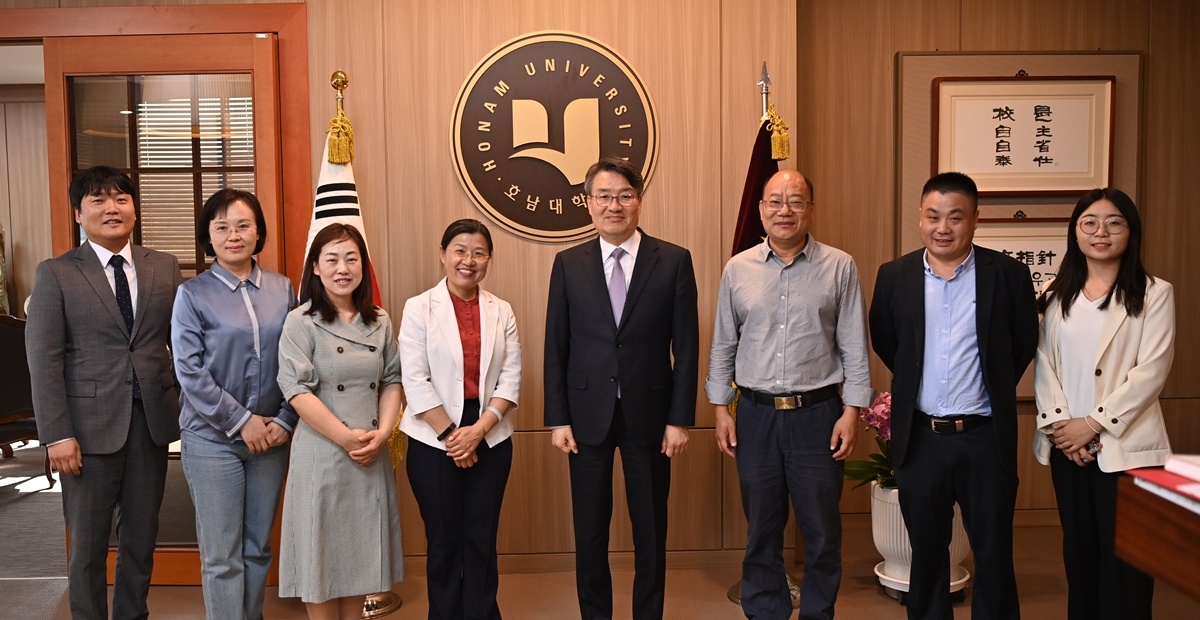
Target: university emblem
x: 533, y: 116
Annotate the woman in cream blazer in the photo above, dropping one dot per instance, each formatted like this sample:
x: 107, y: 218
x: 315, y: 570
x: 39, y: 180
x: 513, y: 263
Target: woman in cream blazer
x: 1104, y: 353
x: 461, y: 369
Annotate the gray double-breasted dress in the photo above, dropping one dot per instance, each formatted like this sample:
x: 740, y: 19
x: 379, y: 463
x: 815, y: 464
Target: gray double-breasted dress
x: 341, y: 521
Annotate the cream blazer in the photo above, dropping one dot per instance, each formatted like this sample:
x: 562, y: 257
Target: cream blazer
x: 431, y: 361
x: 1133, y: 358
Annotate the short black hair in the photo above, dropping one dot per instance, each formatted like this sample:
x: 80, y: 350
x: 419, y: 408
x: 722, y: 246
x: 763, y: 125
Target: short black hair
x: 101, y: 181
x: 618, y: 166
x: 469, y: 227
x: 953, y: 183
x: 217, y: 205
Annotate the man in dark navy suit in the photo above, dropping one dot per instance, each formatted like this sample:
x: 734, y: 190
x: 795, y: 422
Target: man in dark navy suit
x: 621, y: 308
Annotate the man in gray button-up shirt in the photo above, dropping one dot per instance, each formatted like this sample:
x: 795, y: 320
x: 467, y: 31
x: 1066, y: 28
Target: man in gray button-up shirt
x: 790, y: 329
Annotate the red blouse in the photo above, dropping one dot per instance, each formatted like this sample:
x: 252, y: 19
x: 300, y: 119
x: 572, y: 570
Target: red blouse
x: 467, y: 313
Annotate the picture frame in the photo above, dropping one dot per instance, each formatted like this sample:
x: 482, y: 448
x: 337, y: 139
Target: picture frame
x: 1041, y: 244
x: 1025, y: 135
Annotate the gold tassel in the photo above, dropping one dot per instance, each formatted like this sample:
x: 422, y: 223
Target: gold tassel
x: 781, y: 144
x: 398, y: 442
x: 733, y: 403
x: 341, y: 140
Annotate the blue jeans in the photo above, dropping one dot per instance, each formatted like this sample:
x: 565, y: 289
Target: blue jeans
x: 781, y: 454
x: 235, y: 494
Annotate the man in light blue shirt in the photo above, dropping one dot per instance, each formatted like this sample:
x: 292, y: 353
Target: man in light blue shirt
x: 957, y: 325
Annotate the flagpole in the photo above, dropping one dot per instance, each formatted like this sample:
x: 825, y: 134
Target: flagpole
x: 381, y: 603
x: 764, y: 85
x: 764, y: 89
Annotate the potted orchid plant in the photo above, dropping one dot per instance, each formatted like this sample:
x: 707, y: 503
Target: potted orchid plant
x: 879, y: 468
x: 887, y: 521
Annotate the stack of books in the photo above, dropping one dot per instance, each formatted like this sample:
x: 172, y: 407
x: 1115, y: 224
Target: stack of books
x: 1178, y: 481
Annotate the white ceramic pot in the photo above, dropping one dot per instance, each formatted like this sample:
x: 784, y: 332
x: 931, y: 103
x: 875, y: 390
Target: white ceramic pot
x: 891, y: 539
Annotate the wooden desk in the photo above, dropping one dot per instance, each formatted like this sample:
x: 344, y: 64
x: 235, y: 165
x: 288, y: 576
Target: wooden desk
x: 1159, y: 537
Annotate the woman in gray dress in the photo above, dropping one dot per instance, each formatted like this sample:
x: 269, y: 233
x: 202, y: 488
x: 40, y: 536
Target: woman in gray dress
x: 339, y: 369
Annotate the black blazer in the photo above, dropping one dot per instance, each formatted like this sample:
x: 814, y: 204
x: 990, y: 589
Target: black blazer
x: 587, y: 355
x: 1005, y: 318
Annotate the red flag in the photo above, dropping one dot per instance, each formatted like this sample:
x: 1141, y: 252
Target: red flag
x: 336, y: 202
x: 749, y: 231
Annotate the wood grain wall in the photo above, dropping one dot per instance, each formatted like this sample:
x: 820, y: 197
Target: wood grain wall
x: 832, y: 65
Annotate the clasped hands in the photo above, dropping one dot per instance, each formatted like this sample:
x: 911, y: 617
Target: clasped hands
x: 1072, y: 437
x: 461, y: 445
x: 364, y: 446
x: 260, y: 434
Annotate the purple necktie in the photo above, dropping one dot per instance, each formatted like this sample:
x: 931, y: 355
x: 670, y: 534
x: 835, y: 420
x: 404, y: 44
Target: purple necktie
x: 616, y: 285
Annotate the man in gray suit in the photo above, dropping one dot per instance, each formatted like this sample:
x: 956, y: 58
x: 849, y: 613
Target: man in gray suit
x: 104, y: 391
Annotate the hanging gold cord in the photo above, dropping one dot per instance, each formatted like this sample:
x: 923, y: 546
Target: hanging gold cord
x: 397, y: 444
x: 781, y: 145
x: 341, y: 139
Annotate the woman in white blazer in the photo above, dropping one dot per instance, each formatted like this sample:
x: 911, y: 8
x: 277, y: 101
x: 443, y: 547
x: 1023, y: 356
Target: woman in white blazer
x: 461, y: 368
x: 1106, y: 345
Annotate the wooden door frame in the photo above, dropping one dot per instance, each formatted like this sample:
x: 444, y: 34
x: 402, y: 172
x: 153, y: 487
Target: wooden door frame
x: 256, y: 54
x: 289, y: 22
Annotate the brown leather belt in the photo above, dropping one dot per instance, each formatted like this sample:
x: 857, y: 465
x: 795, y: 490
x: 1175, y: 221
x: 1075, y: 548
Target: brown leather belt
x: 782, y: 402
x: 950, y: 425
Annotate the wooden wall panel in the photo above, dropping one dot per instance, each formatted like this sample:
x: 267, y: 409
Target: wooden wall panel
x: 348, y: 36
x: 93, y: 3
x: 846, y: 130
x: 1183, y: 425
x: 1172, y: 160
x: 1023, y: 25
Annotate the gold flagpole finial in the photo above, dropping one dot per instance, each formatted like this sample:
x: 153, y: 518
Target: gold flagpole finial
x: 341, y: 134
x: 339, y: 81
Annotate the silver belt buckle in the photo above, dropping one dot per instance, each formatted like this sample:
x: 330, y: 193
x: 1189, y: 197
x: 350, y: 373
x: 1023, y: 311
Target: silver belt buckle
x: 788, y: 402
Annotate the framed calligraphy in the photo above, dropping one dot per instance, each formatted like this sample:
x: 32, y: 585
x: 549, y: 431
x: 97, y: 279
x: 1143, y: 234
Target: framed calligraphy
x: 1025, y: 135
x: 1040, y: 245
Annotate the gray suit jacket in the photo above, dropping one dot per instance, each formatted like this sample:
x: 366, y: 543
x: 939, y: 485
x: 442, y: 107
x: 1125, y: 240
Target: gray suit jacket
x: 82, y: 359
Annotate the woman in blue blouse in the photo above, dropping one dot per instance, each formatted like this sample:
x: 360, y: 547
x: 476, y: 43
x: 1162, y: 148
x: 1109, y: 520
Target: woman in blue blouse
x: 225, y: 335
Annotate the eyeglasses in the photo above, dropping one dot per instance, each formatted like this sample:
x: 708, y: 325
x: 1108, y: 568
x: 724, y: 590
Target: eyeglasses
x: 796, y: 206
x: 1113, y: 225
x: 478, y: 256
x: 222, y: 231
x: 603, y: 200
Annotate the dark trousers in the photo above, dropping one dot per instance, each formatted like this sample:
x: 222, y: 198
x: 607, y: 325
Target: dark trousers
x: 782, y: 453
x: 461, y: 510
x: 130, y: 482
x: 938, y: 471
x: 647, y: 484
x: 1100, y: 586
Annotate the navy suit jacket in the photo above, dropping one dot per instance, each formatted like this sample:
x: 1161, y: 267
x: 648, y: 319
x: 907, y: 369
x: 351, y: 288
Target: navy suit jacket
x: 588, y: 355
x: 1006, y: 321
